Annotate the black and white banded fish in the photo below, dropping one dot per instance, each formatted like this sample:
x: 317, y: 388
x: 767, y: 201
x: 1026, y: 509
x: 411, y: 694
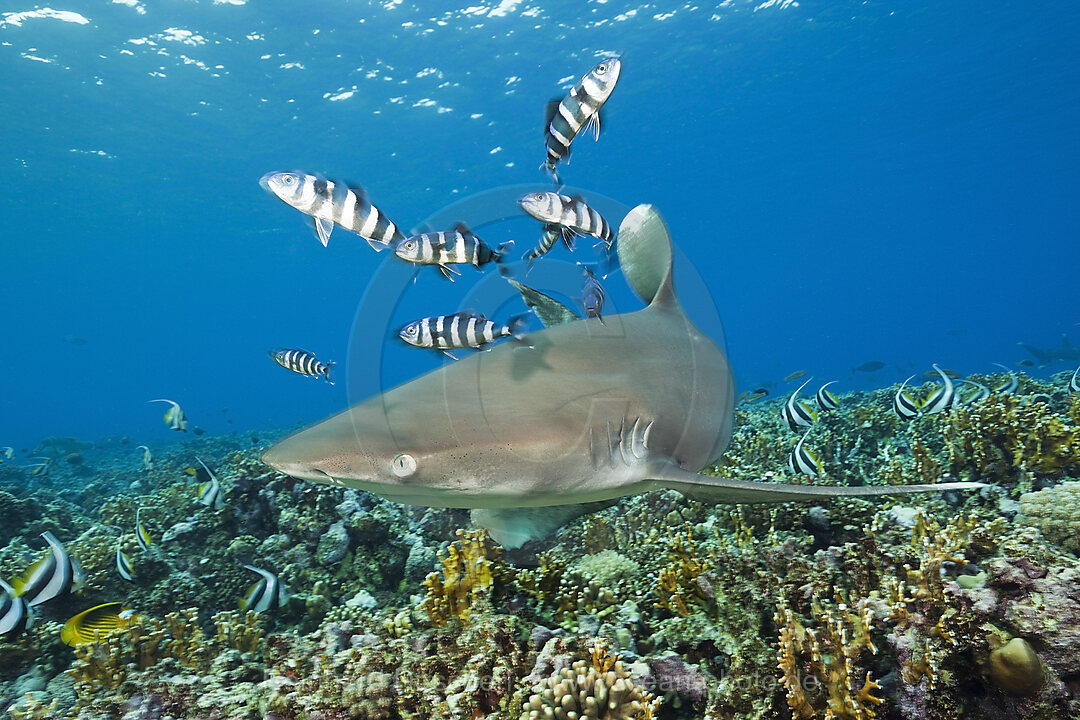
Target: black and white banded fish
x: 142, y: 535
x: 15, y: 615
x: 174, y: 416
x: 329, y: 202
x: 52, y: 576
x: 905, y: 406
x: 570, y: 214
x: 147, y: 458
x: 1074, y: 382
x: 981, y: 392
x: 1009, y: 386
x: 6, y: 453
x: 579, y: 109
x: 460, y: 246
x: 302, y: 362
x: 592, y: 296
x: 460, y: 330
x: 40, y: 469
x: 943, y: 398
x: 210, y: 492
x: 803, y: 462
x: 548, y: 237
x: 798, y: 414
x: 825, y: 399
x: 123, y: 562
x: 267, y: 593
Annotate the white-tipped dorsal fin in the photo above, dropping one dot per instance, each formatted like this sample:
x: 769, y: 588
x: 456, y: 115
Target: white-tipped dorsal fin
x: 645, y: 254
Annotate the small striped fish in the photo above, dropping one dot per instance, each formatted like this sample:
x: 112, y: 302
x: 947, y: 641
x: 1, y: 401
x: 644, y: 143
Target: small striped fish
x: 798, y: 414
x: 328, y: 202
x: 15, y: 615
x: 825, y: 399
x: 802, y: 461
x: 302, y: 362
x: 1074, y: 382
x: 981, y: 392
x: 1010, y: 385
x: 123, y: 562
x: 210, y: 492
x: 460, y: 330
x: 174, y: 416
x: 142, y: 535
x: 460, y: 246
x: 268, y: 593
x: 52, y: 576
x: 592, y: 296
x: 904, y: 405
x: 570, y: 214
x: 943, y: 398
x: 548, y: 238
x: 579, y: 109
x: 93, y: 624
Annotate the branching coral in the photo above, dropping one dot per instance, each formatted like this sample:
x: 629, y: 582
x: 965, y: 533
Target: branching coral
x: 677, y: 585
x: 467, y: 574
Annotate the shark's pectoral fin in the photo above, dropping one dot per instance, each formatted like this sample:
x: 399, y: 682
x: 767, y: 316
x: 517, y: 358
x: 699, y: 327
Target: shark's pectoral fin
x: 513, y: 527
x: 722, y: 490
x: 550, y: 311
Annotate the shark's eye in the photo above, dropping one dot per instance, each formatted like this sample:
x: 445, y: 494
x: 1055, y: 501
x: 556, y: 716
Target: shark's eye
x: 403, y: 465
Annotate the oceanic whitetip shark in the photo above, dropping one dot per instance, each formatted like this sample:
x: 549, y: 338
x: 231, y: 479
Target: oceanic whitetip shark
x: 578, y: 413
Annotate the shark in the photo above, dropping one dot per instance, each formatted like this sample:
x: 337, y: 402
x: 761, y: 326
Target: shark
x: 559, y: 422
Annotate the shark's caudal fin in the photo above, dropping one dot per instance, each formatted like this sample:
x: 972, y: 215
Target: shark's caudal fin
x: 721, y: 490
x: 645, y: 254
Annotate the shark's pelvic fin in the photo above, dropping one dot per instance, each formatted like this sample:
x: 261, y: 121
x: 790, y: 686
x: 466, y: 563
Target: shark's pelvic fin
x: 721, y: 490
x: 513, y: 527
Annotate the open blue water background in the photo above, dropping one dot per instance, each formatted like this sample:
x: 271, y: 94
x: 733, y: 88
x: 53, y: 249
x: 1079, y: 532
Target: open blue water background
x: 853, y: 181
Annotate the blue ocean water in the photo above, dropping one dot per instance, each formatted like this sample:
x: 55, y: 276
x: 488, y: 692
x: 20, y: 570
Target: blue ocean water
x: 852, y: 181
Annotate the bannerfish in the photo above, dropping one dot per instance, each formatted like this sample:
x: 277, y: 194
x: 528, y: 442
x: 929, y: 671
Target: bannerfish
x: 460, y: 246
x: 267, y: 593
x: 905, y: 406
x: 123, y: 562
x: 6, y: 453
x: 142, y: 535
x: 327, y: 202
x: 943, y: 398
x: 1074, y: 382
x: 565, y: 118
x: 210, y: 492
x: 869, y: 366
x: 571, y: 215
x: 460, y: 330
x: 981, y: 392
x: 52, y: 576
x: 592, y: 296
x: 302, y: 362
x: 40, y: 469
x: 147, y: 458
x: 825, y: 399
x: 796, y: 413
x: 16, y: 616
x: 803, y: 462
x: 1009, y: 386
x: 93, y: 624
x: 532, y: 434
x: 174, y: 416
x: 795, y: 375
x: 549, y: 235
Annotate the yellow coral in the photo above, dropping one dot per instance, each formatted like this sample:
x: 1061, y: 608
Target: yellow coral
x: 466, y: 575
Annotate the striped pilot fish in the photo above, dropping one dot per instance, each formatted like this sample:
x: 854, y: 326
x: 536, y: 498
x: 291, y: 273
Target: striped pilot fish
x: 569, y: 215
x: 826, y: 400
x: 329, y: 202
x: 802, y: 461
x: 796, y: 413
x: 52, y: 576
x: 548, y: 237
x: 943, y: 398
x: 579, y: 109
x: 303, y: 362
x: 210, y: 493
x: 15, y: 615
x: 460, y: 246
x: 592, y: 296
x: 460, y: 330
x: 174, y: 416
x: 267, y: 593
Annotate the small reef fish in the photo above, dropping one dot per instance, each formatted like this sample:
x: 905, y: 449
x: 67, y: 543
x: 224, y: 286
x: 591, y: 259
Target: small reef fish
x: 869, y: 367
x: 934, y: 373
x: 592, y: 296
x: 210, y: 493
x: 1009, y: 386
x: 460, y: 246
x: 1025, y: 363
x: 174, y: 416
x: 825, y: 399
x: 328, y: 202
x: 798, y: 414
x: 943, y: 398
x: 147, y: 458
x: 460, y: 330
x: 570, y: 215
x: 16, y: 616
x: 904, y: 405
x: 751, y: 397
x: 302, y: 362
x: 548, y: 237
x: 123, y: 562
x: 6, y: 453
x: 981, y: 392
x: 795, y: 375
x: 40, y: 469
x: 268, y: 593
x: 803, y: 462
x: 93, y: 624
x: 142, y: 535
x: 52, y: 576
x: 565, y: 118
x: 1074, y: 382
